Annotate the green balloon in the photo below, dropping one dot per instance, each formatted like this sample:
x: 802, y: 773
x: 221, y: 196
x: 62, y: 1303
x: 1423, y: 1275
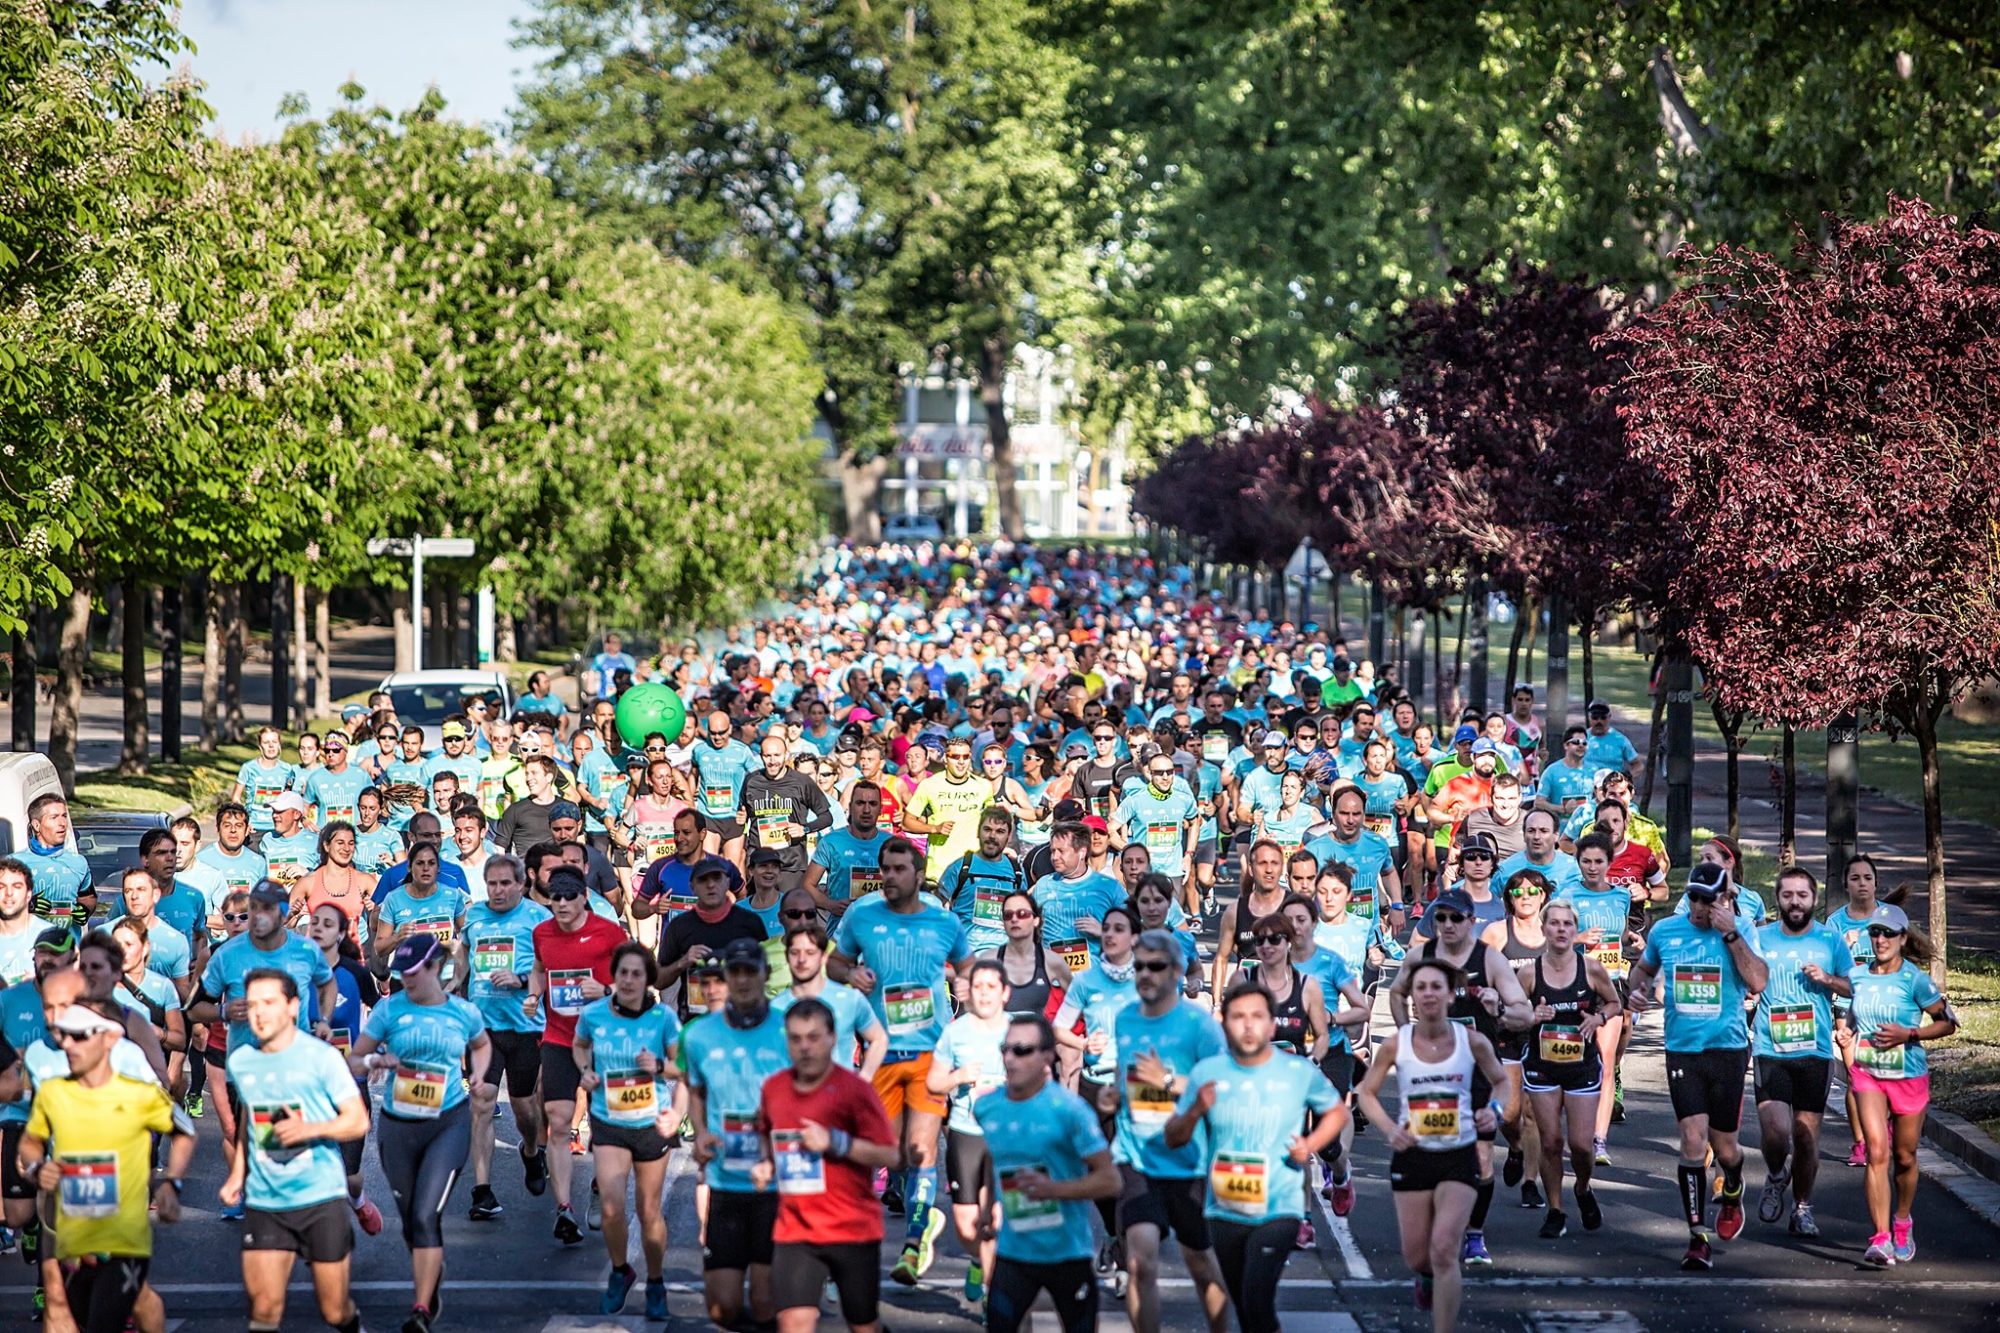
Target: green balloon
x: 645, y: 709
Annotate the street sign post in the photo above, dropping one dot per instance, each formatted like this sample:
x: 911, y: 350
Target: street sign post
x: 415, y: 549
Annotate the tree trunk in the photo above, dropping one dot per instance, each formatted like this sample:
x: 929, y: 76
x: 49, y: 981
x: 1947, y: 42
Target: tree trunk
x: 504, y: 645
x: 1458, y: 653
x: 1730, y: 723
x: 1524, y: 619
x: 1378, y: 625
x: 1788, y: 801
x: 993, y: 353
x: 1654, y: 733
x: 399, y: 625
x: 1414, y: 658
x: 1478, y: 672
x: 72, y: 656
x: 1437, y: 677
x: 1555, y: 708
x: 211, y: 663
x: 437, y: 643
x: 1926, y: 721
x: 22, y: 698
x: 133, y: 753
x: 171, y: 644
x: 301, y: 657
x: 236, y: 638
x: 322, y: 652
x: 454, y: 628
x: 1586, y: 636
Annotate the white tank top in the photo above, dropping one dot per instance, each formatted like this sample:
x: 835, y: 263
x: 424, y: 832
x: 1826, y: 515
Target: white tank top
x: 1437, y: 1096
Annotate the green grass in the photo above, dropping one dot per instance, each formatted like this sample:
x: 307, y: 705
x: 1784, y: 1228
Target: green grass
x: 1967, y: 753
x: 1965, y: 1069
x: 202, y: 781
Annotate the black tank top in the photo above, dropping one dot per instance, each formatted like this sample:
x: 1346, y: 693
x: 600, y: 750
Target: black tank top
x: 1464, y: 1007
x: 1030, y: 996
x: 1291, y: 1030
x: 1245, y: 938
x: 1571, y: 1003
x: 1514, y: 950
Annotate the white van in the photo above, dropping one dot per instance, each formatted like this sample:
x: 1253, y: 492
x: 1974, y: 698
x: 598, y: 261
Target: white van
x: 23, y: 777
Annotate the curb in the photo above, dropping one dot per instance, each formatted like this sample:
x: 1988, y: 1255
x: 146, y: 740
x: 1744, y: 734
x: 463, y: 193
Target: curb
x: 1960, y: 1138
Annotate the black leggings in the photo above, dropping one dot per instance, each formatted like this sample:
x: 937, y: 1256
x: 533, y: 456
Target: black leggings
x: 1252, y: 1260
x: 1012, y: 1286
x: 422, y: 1159
x: 103, y: 1290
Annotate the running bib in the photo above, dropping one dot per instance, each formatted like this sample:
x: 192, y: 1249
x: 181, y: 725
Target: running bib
x: 566, y: 990
x: 1075, y: 953
x: 657, y: 840
x: 1611, y: 955
x: 1561, y: 1044
x: 861, y: 883
x: 629, y: 1098
x: 1362, y: 904
x: 442, y: 929
x: 719, y: 800
x: 1794, y: 1031
x: 908, y: 1008
x: 341, y: 1040
x: 1163, y: 839
x: 797, y: 1170
x: 1881, y: 1063
x: 1382, y: 825
x: 1021, y: 1212
x: 417, y: 1092
x: 1434, y: 1118
x: 89, y: 1184
x: 1215, y: 747
x: 986, y: 905
x: 266, y: 792
x: 1698, y: 990
x: 1240, y: 1182
x: 742, y: 1146
x: 264, y: 1132
x: 1151, y: 1107
x: 492, y: 955
x: 343, y: 814
x: 771, y: 831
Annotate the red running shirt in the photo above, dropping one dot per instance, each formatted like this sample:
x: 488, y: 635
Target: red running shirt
x: 566, y: 957
x: 823, y: 1200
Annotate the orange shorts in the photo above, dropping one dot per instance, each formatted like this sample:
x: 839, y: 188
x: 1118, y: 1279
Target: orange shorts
x: 901, y: 1086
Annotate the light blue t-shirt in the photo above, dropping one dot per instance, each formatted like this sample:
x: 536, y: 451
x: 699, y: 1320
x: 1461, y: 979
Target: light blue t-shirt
x: 1182, y: 1038
x: 976, y: 887
x: 290, y: 857
x: 1160, y: 822
x: 377, y: 849
x: 440, y: 912
x: 17, y: 952
x: 728, y: 1065
x: 1704, y: 991
x: 626, y: 1094
x: 968, y: 1043
x: 1258, y: 1111
x: 853, y: 865
x: 1608, y: 911
x: 1261, y: 791
x: 1329, y: 968
x: 58, y: 877
x: 1063, y: 901
x: 719, y: 774
x: 1611, y: 750
x: 307, y: 1080
x: 497, y: 943
x: 1900, y: 997
x: 234, y: 874
x: 263, y: 785
x: 1368, y: 855
x: 429, y: 1043
x: 154, y: 989
x: 853, y: 1017
x: 21, y: 1024
x: 1794, y: 1015
x: 1561, y: 872
x: 1052, y: 1132
x: 334, y: 796
x: 237, y: 958
x: 1099, y: 999
x: 1560, y: 784
x: 911, y: 955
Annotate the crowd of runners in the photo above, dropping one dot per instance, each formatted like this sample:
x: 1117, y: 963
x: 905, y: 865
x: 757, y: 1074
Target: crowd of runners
x: 1031, y: 896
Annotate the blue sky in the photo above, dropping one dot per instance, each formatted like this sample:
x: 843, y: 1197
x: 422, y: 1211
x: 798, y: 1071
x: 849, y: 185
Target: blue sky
x: 251, y: 53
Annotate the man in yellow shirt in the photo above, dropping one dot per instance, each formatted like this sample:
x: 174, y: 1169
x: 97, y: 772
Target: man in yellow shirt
x: 946, y: 807
x: 89, y: 1146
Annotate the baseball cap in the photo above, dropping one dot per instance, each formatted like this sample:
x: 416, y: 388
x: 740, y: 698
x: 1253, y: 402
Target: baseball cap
x: 1453, y: 900
x: 1890, y: 916
x: 289, y: 800
x: 56, y: 939
x: 709, y: 966
x: 1479, y: 842
x: 1067, y: 811
x: 767, y: 856
x: 453, y: 731
x: 1274, y: 740
x: 1466, y: 733
x: 744, y: 953
x: 414, y: 951
x: 81, y: 1021
x: 1597, y: 708
x: 270, y: 893
x: 565, y: 810
x: 352, y: 711
x: 1483, y: 745
x: 1095, y: 824
x: 565, y: 881
x: 708, y: 865
x: 1076, y: 750
x: 1706, y: 881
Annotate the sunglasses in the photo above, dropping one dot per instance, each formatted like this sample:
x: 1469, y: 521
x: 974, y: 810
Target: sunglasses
x: 994, y: 763
x: 1882, y: 933
x: 1524, y: 893
x: 1017, y: 915
x: 661, y: 749
x: 1024, y: 1049
x: 563, y: 895
x: 65, y: 1038
x: 235, y: 916
x: 1449, y: 918
x: 1475, y: 856
x: 1160, y: 772
x: 1152, y: 967
x: 1263, y: 940
x: 806, y: 915
x: 1104, y: 740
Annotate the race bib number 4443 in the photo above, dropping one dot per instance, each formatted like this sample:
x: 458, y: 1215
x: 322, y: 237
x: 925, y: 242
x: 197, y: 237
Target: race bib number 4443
x: 1240, y: 1182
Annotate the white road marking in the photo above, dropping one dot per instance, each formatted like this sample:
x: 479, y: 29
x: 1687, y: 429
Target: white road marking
x: 1319, y: 1321
x: 1350, y: 1253
x: 595, y: 1323
x: 1576, y: 1321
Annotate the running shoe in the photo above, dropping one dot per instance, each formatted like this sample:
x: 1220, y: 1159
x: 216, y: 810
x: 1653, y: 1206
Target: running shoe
x: 1340, y: 1196
x: 1107, y: 1258
x: 1423, y: 1291
x: 892, y: 1198
x: 1729, y: 1218
x: 1306, y: 1239
x: 1120, y: 1280
x: 1588, y: 1209
x: 1771, y: 1199
x: 1474, y: 1252
x: 1513, y: 1168
x: 1880, y: 1253
x: 927, y: 1242
x: 369, y: 1216
x: 905, y: 1270
x: 656, y: 1300
x: 9, y: 1242
x: 616, y: 1288
x: 1858, y: 1157
x: 1903, y: 1239
x: 566, y: 1230
x: 231, y: 1212
x: 1601, y: 1151
x: 1531, y: 1195
x: 1802, y: 1221
x: 579, y: 1141
x: 1698, y: 1259
x: 485, y: 1204
x: 194, y: 1105
x: 593, y: 1209
x: 975, y: 1285
x: 534, y: 1170
x: 919, y: 1252
x: 1555, y: 1226
x: 39, y: 1306
x: 419, y: 1320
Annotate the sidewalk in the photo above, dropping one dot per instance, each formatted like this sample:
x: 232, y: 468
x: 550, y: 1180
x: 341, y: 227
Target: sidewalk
x: 361, y: 656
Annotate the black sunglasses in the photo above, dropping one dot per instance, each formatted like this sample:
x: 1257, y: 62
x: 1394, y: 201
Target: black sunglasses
x: 563, y: 895
x: 1273, y: 939
x: 1024, y: 1049
x: 1152, y: 967
x: 807, y: 914
x: 1448, y: 918
x: 1882, y: 933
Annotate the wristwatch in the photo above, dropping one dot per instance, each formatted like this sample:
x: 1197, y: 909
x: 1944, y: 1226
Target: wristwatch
x: 1732, y: 937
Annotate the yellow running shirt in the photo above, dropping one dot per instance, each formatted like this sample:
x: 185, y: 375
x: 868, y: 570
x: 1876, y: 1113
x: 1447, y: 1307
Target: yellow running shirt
x: 102, y: 1140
